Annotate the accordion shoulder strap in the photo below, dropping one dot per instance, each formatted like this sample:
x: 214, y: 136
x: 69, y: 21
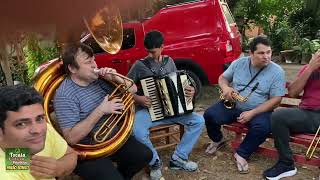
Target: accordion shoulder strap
x: 147, y: 63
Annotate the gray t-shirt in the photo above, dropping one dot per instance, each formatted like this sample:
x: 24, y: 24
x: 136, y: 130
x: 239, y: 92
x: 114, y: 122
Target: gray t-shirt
x: 271, y: 82
x: 140, y: 71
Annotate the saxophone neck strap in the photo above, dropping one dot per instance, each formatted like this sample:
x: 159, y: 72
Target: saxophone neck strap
x: 252, y: 79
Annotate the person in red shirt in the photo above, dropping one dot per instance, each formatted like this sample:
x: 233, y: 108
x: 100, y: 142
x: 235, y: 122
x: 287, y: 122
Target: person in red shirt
x: 303, y: 119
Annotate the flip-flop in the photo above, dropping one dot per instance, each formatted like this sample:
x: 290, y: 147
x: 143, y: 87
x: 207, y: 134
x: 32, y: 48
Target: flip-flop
x: 213, y: 147
x: 242, y: 168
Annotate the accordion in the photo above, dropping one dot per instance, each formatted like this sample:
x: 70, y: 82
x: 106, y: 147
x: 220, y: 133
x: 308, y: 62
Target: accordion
x: 167, y: 95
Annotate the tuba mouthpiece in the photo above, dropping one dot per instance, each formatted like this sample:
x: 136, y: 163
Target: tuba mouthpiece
x: 96, y: 70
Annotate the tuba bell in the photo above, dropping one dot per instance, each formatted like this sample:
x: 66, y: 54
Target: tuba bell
x: 106, y: 28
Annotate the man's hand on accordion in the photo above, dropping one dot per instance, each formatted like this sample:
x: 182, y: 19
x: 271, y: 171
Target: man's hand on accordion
x: 189, y: 91
x: 143, y: 100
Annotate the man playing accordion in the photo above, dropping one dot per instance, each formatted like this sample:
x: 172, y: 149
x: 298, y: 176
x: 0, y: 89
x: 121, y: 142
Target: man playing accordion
x: 155, y: 65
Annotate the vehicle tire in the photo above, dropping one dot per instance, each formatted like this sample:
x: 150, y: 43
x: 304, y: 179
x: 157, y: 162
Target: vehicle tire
x: 197, y: 83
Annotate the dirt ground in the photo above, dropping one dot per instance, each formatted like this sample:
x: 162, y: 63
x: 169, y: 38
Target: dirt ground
x: 221, y: 166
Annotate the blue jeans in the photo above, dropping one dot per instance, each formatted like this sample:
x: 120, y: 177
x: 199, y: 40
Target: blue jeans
x: 193, y: 124
x: 259, y: 127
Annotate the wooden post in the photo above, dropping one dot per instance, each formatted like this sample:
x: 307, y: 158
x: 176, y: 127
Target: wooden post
x: 4, y: 61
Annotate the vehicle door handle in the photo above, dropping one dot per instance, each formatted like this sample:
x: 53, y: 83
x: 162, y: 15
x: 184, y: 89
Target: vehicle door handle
x: 116, y: 61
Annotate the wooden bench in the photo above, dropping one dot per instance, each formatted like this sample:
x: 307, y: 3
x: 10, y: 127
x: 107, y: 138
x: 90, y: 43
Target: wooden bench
x: 165, y: 136
x: 301, y: 139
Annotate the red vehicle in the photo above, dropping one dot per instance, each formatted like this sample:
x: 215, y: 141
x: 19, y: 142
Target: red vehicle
x: 201, y: 36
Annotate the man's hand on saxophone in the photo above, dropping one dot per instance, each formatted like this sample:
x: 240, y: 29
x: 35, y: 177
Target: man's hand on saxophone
x: 228, y: 93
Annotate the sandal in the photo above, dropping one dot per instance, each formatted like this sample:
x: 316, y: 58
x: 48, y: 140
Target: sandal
x: 213, y: 147
x: 242, y: 168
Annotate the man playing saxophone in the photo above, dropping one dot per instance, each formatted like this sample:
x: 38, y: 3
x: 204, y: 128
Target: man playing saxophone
x: 254, y: 74
x: 81, y: 104
x: 303, y: 119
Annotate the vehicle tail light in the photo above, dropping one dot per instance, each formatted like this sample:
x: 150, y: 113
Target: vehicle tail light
x: 226, y: 48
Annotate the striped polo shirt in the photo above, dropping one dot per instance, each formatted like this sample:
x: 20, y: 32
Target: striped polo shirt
x: 74, y: 103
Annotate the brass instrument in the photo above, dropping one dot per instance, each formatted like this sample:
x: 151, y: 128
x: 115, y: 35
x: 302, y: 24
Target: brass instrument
x: 237, y: 97
x: 313, y: 145
x: 48, y: 79
x: 106, y: 28
x: 96, y: 70
x: 231, y: 104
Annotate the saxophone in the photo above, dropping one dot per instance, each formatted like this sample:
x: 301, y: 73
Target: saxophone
x: 231, y: 104
x: 236, y: 96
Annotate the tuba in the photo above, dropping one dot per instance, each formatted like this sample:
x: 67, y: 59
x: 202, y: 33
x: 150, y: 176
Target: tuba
x: 106, y: 28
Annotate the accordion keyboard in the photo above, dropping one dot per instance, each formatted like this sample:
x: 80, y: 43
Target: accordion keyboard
x: 149, y: 89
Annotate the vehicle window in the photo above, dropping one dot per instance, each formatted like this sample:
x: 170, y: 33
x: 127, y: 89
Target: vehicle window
x: 94, y: 45
x: 129, y: 39
x: 227, y: 13
x: 128, y: 42
x: 180, y: 2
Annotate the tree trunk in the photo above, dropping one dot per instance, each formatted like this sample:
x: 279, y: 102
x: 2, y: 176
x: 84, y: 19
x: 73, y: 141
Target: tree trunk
x: 4, y: 61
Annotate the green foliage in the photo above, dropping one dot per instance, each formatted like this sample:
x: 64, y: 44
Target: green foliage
x: 305, y: 23
x: 37, y: 55
x: 282, y: 36
x: 309, y: 46
x: 2, y: 78
x: 19, y: 70
x: 272, y: 16
x: 305, y: 49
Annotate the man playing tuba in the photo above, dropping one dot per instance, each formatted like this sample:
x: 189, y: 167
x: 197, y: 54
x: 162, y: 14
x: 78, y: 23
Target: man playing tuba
x: 255, y: 74
x: 304, y: 119
x: 81, y: 104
